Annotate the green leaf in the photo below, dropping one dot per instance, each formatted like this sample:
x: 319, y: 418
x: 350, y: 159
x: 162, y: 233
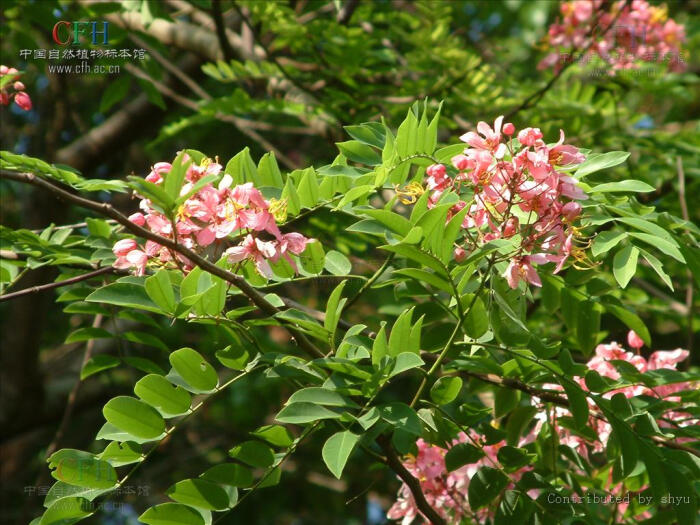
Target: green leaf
x: 61, y: 490
x: 233, y: 357
x: 337, y: 264
x: 124, y: 294
x: 379, y: 346
x: 300, y: 413
x: 485, y: 486
x: 446, y: 389
x: 337, y: 450
x: 606, y: 241
x: 253, y: 453
x: 391, y: 220
x: 423, y: 276
x: 276, y: 435
x: 118, y: 454
x: 333, y: 308
x: 476, y: 322
x: 504, y: 400
x: 86, y: 333
x: 230, y: 474
x: 462, y: 454
x: 194, y: 369
x: 669, y: 248
x: 513, y: 458
x: 97, y: 364
x: 66, y: 511
x: 171, y: 514
x: 406, y: 361
x: 401, y: 416
x: 399, y: 339
x: 134, y: 417
x: 199, y: 493
x: 596, y: 162
x: 158, y: 392
x: 658, y: 267
x: 625, y: 264
x: 313, y: 258
x: 359, y: 152
x: 624, y: 186
x: 160, y: 290
x: 115, y: 92
x: 578, y: 404
x: 320, y: 396
x: 82, y: 469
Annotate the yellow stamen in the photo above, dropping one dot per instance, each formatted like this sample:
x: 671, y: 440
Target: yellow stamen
x: 409, y: 194
x: 278, y: 209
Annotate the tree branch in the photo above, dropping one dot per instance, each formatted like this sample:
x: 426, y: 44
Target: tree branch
x: 345, y: 13
x: 225, y: 45
x: 66, y: 282
x: 108, y: 210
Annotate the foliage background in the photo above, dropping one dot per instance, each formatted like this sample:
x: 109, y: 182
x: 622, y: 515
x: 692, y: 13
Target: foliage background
x: 295, y: 74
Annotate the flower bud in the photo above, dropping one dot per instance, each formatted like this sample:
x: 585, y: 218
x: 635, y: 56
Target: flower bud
x: 571, y: 210
x: 508, y: 128
x: 123, y: 247
x: 3, y: 70
x: 19, y: 86
x: 511, y: 227
x: 23, y: 101
x: 460, y: 254
x: 137, y: 218
x: 634, y: 340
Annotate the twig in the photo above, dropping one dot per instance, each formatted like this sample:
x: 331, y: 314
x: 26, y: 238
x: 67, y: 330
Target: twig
x: 73, y: 396
x: 66, y: 282
x: 108, y: 210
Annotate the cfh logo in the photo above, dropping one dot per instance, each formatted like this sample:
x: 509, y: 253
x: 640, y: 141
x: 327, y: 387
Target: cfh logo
x: 69, y: 33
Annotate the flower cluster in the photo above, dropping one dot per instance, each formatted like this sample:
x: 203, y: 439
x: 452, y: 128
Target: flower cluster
x: 515, y: 185
x: 446, y: 491
x: 13, y: 88
x: 210, y: 218
x: 620, y: 35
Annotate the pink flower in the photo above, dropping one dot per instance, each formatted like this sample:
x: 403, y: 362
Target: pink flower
x: 129, y: 256
x: 667, y: 358
x: 245, y: 194
x: 508, y: 128
x: 23, y: 100
x: 571, y: 210
x: 255, y: 250
x: 460, y: 162
x: 137, y: 218
x: 634, y: 340
x: 520, y: 268
x: 529, y: 136
x: 157, y: 172
x: 489, y: 140
x: 123, y: 247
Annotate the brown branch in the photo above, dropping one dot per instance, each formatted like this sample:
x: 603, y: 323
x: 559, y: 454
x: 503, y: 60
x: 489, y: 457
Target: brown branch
x: 411, y: 482
x: 51, y: 286
x: 108, y: 210
x: 226, y: 49
x: 345, y: 13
